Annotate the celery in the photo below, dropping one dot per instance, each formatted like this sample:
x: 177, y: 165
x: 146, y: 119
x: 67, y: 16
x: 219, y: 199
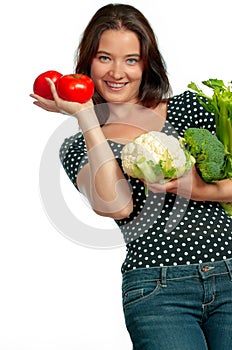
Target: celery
x: 220, y: 104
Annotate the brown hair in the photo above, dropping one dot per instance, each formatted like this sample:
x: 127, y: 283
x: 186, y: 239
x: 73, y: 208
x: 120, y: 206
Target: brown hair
x: 155, y: 84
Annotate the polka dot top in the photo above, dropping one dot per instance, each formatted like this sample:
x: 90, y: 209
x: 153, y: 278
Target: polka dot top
x: 165, y: 229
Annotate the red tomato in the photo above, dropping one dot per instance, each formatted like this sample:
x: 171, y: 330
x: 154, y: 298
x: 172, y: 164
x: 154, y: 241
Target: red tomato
x: 75, y: 88
x: 41, y: 87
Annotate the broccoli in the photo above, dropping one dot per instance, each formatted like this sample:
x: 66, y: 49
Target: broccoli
x: 208, y: 152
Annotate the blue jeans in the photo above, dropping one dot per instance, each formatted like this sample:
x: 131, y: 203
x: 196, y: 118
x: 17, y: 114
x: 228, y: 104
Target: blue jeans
x: 179, y: 307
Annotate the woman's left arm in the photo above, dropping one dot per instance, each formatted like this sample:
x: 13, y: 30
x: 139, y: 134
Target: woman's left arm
x: 192, y: 186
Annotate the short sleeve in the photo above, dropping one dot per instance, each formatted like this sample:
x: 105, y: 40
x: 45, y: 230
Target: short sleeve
x: 200, y: 116
x: 73, y: 155
x: 186, y: 111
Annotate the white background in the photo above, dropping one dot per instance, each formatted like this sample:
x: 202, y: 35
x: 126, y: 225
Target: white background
x: 54, y: 293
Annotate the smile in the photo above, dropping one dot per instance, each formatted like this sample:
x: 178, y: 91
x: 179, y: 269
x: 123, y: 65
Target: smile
x: 116, y: 86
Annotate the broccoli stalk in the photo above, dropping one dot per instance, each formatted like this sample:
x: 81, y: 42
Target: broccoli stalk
x: 220, y: 104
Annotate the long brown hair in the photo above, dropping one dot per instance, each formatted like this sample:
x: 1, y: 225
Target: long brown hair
x: 155, y: 83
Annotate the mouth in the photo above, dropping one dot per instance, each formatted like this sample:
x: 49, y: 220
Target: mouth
x: 115, y: 86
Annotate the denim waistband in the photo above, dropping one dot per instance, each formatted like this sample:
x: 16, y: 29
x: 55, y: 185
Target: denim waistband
x: 165, y: 273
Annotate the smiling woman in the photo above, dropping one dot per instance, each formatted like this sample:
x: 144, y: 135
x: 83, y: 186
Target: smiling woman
x: 177, y: 236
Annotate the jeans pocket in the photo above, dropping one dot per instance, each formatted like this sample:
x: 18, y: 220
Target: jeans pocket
x: 139, y: 292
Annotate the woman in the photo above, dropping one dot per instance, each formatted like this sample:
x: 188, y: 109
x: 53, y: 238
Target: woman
x: 177, y: 275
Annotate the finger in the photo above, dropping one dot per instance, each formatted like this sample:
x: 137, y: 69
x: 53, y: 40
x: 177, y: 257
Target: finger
x: 53, y: 89
x: 33, y: 95
x: 41, y: 105
x: 156, y: 187
x: 47, y: 107
x: 39, y: 98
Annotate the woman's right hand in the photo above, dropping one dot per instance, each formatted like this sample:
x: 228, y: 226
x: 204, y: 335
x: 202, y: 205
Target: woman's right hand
x: 59, y: 105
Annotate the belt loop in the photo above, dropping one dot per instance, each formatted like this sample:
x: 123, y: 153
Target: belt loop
x: 229, y: 268
x: 164, y: 276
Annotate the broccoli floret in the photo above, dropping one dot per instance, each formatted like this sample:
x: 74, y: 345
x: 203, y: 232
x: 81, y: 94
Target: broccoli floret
x: 208, y: 152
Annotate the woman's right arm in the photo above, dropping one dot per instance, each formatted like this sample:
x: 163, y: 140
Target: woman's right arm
x: 101, y: 180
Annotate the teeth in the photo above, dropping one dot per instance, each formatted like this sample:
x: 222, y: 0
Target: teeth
x: 115, y: 85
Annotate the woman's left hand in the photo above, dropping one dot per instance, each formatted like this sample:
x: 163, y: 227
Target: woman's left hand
x: 190, y: 186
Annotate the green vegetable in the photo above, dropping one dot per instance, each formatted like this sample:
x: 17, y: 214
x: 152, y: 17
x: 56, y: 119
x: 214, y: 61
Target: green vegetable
x: 220, y: 104
x: 208, y: 152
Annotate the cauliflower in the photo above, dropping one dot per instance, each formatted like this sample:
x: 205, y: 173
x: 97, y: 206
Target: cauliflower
x: 156, y: 157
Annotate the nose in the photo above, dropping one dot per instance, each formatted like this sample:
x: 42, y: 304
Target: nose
x: 116, y: 72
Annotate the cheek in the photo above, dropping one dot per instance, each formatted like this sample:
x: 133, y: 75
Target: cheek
x: 140, y: 74
x: 136, y: 75
x: 96, y: 72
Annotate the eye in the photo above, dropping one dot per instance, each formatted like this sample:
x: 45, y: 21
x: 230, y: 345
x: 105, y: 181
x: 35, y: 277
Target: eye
x: 132, y: 60
x: 104, y: 58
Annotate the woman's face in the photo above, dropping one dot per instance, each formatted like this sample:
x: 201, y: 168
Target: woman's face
x: 117, y: 67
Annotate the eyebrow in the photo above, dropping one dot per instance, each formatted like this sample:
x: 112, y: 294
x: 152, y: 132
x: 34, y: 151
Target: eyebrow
x: 109, y: 54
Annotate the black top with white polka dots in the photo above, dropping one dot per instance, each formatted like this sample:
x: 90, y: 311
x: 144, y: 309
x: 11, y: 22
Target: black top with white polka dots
x: 165, y: 229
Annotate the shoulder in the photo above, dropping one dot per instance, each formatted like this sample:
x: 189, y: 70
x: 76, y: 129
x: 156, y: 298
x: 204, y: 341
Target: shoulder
x: 73, y: 144
x: 73, y: 155
x: 185, y: 103
x: 187, y: 106
x: 189, y: 101
x: 186, y: 97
